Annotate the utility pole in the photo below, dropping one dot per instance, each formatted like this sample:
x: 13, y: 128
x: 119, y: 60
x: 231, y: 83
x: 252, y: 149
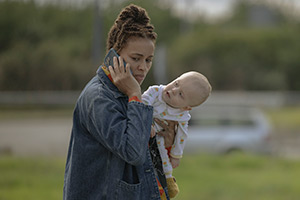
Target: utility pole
x: 160, y: 65
x: 97, y: 42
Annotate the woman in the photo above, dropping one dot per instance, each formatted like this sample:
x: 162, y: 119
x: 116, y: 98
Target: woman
x: 108, y: 156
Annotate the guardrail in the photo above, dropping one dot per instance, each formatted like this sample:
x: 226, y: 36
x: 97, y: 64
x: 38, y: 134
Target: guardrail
x: 59, y: 98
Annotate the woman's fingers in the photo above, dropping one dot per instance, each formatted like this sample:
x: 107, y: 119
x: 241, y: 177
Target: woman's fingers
x: 112, y: 72
x: 162, y: 123
x: 117, y: 71
x: 116, y: 65
x: 127, y: 68
x: 172, y: 123
x: 168, y: 130
x: 121, y: 65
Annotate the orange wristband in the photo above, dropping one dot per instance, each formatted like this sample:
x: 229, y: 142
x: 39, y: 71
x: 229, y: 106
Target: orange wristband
x: 134, y: 98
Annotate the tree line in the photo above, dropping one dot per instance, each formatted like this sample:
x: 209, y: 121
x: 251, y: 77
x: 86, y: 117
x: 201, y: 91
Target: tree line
x: 49, y: 47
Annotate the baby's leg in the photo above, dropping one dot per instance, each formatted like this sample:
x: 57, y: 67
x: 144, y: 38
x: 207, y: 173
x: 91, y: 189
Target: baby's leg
x: 167, y: 166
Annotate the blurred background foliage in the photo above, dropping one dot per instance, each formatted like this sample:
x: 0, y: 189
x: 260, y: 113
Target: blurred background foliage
x: 49, y: 47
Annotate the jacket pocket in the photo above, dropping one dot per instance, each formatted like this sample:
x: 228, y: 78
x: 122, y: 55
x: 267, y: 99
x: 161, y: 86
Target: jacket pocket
x: 128, y: 191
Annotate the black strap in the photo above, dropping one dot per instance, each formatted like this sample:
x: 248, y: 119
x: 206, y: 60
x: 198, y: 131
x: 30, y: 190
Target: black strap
x: 157, y: 162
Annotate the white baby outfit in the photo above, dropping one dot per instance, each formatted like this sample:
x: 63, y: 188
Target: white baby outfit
x: 153, y: 96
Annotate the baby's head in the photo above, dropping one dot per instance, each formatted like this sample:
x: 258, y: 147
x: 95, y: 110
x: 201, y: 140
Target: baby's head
x: 189, y: 90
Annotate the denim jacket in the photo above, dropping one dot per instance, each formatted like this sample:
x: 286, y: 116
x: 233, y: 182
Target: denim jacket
x: 108, y: 156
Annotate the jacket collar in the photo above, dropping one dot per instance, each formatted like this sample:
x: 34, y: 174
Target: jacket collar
x: 108, y: 83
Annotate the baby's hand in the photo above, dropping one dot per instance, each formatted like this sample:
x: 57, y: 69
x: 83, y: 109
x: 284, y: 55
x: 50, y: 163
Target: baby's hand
x: 174, y: 161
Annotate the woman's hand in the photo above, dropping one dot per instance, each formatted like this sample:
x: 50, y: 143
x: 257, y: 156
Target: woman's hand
x: 168, y: 131
x: 153, y: 133
x: 123, y: 78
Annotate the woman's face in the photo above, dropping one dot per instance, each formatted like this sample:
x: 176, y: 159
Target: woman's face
x: 138, y: 52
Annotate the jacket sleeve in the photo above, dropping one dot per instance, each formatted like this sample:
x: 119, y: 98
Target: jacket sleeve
x: 122, y: 131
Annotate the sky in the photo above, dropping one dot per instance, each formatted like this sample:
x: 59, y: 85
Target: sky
x: 208, y: 8
x: 218, y: 8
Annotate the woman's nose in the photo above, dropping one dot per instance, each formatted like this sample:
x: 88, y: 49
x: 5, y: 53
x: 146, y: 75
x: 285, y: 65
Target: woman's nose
x: 143, y: 66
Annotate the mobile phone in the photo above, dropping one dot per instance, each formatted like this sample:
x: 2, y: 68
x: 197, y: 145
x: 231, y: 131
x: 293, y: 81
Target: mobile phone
x: 109, y: 58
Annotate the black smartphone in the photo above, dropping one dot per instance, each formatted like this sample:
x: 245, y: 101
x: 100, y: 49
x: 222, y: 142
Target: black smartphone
x: 108, y: 60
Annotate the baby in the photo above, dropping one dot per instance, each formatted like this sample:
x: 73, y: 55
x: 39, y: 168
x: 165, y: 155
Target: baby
x: 173, y: 102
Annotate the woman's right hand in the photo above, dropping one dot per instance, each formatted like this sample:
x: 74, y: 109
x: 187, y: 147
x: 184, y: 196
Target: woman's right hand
x: 123, y: 78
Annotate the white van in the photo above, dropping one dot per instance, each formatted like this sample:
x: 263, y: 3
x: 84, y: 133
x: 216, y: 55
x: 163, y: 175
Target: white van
x: 223, y: 129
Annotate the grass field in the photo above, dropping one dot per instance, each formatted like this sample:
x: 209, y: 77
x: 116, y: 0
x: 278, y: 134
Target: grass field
x: 200, y: 177
x: 31, y: 178
x: 238, y: 177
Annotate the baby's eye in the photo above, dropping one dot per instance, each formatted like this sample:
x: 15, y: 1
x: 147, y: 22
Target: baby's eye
x: 148, y: 60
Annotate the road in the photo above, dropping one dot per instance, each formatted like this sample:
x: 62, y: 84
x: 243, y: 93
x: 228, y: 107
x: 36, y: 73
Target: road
x: 35, y: 137
x: 50, y: 137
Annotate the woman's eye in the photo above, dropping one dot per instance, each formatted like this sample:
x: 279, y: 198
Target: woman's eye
x: 135, y: 59
x: 148, y: 60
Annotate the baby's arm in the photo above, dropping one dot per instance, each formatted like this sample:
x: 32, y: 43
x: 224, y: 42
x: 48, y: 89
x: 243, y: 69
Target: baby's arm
x: 150, y: 95
x: 180, y: 140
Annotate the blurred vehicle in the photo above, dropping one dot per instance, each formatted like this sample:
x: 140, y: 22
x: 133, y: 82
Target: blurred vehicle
x: 224, y: 129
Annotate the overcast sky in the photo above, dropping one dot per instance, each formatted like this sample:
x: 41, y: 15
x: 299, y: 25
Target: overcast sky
x: 217, y: 8
x: 207, y: 7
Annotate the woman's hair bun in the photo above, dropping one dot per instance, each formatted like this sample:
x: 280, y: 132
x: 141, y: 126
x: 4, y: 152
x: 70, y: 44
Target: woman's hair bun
x: 134, y: 14
x: 133, y: 21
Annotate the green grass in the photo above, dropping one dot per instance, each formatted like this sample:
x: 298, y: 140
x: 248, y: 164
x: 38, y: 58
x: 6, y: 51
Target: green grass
x: 31, y: 178
x: 200, y: 177
x: 237, y: 177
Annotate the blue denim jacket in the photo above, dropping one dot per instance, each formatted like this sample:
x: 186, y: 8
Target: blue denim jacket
x: 108, y: 156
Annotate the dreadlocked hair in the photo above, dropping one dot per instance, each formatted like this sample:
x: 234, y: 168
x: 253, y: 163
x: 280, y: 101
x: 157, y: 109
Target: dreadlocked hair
x: 132, y: 21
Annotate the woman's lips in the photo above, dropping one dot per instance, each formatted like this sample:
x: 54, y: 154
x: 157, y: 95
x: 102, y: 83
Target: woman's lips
x: 139, y: 78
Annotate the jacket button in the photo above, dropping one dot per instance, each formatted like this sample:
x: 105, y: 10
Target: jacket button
x: 148, y: 170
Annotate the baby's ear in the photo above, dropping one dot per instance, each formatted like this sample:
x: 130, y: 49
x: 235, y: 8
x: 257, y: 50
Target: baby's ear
x: 186, y: 108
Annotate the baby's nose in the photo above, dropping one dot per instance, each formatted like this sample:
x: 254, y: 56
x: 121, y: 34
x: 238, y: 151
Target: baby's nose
x: 174, y: 91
